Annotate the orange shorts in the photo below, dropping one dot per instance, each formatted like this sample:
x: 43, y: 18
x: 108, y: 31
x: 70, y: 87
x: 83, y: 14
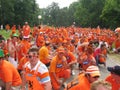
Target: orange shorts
x: 64, y: 74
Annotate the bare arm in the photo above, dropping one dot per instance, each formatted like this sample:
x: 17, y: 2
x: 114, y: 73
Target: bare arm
x: 23, y: 80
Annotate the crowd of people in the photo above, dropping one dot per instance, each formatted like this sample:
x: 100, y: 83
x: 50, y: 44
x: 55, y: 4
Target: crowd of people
x: 44, y: 58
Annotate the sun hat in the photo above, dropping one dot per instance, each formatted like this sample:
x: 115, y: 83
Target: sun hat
x: 114, y: 69
x: 93, y: 71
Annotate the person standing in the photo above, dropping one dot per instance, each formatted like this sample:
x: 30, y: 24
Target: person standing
x: 9, y: 76
x: 35, y: 73
x: 26, y: 29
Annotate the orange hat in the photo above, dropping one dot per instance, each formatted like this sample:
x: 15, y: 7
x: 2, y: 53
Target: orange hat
x: 93, y: 71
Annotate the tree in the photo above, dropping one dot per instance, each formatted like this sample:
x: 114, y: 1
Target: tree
x: 51, y: 13
x: 18, y: 11
x: 7, y: 11
x: 88, y: 12
x: 111, y: 13
x: 71, y: 13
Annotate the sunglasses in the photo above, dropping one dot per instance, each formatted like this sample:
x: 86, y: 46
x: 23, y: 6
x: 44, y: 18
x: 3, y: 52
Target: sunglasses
x: 31, y: 56
x: 96, y: 77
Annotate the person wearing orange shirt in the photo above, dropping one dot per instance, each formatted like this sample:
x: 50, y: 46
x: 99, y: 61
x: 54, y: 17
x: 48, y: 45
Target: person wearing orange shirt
x: 59, y: 71
x: 35, y: 73
x: 114, y: 77
x: 87, y: 58
x: 40, y: 41
x: 84, y: 79
x: 7, y: 27
x: 22, y: 63
x: 71, y: 60
x: 35, y: 31
x: 9, y: 76
x: 44, y: 54
x: 23, y: 47
x: 26, y: 29
x: 13, y: 29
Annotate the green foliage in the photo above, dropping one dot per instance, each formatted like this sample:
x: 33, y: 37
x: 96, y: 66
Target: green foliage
x: 111, y: 13
x: 18, y: 11
x: 85, y: 13
x: 88, y: 12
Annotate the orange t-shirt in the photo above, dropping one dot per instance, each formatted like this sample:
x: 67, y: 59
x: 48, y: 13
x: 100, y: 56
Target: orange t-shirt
x: 70, y: 57
x: 56, y: 65
x: 115, y: 86
x: 83, y: 83
x: 8, y: 73
x: 43, y: 54
x: 23, y: 49
x: 26, y: 30
x: 22, y: 62
x: 40, y: 41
